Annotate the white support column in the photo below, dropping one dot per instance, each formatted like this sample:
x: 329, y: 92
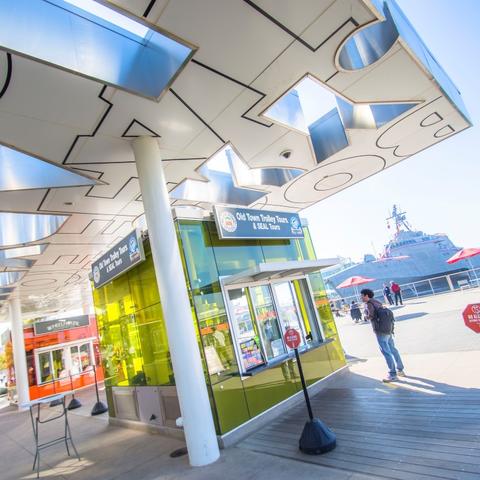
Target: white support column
x: 19, y: 357
x: 187, y: 365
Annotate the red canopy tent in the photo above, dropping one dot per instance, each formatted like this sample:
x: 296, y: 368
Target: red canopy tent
x: 466, y: 254
x: 354, y: 282
x: 463, y: 254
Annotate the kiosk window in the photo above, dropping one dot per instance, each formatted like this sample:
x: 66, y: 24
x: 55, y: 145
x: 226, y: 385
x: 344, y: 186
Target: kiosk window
x: 244, y: 328
x: 288, y: 311
x: 260, y: 314
x: 268, y: 321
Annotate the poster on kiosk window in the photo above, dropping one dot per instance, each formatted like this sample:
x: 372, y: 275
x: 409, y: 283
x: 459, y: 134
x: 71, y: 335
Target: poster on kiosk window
x: 249, y: 223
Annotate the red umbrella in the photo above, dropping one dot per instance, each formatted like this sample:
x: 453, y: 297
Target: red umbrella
x: 466, y: 254
x: 463, y: 254
x: 355, y: 281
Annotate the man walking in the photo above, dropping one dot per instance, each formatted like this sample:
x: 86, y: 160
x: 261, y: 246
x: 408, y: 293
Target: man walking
x: 397, y: 291
x: 381, y: 319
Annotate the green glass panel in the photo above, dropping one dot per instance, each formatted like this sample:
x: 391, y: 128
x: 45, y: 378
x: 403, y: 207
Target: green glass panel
x: 307, y: 245
x: 271, y: 386
x: 143, y: 284
x: 316, y: 364
x: 335, y: 352
x: 281, y: 250
x: 156, y: 366
x: 230, y: 404
x: 234, y: 256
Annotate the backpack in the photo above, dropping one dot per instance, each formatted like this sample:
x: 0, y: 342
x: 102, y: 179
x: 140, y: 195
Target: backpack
x: 383, y: 320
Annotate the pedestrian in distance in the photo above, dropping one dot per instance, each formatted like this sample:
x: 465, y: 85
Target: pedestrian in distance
x: 382, y: 321
x: 397, y: 291
x: 387, y: 294
x: 355, y: 312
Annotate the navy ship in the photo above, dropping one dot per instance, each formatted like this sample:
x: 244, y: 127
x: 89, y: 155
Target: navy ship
x: 410, y: 256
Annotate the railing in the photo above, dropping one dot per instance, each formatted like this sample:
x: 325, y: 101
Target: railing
x: 432, y: 286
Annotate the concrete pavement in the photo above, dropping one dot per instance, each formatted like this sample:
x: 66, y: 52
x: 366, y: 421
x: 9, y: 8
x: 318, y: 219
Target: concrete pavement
x: 442, y: 361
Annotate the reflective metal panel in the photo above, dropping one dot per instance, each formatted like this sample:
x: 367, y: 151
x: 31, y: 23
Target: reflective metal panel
x: 19, y: 171
x: 23, y: 251
x: 328, y: 135
x: 71, y: 38
x: 22, y: 228
x: 10, y: 278
x: 288, y: 111
x: 369, y: 44
x: 370, y: 115
x: 409, y: 34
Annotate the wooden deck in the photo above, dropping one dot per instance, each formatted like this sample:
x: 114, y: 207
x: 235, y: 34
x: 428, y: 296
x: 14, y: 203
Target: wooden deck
x: 388, y: 431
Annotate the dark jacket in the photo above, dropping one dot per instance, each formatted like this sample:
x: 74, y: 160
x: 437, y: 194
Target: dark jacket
x: 371, y: 311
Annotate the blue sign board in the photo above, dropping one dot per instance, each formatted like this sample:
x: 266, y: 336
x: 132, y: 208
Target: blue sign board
x: 122, y: 257
x: 248, y: 223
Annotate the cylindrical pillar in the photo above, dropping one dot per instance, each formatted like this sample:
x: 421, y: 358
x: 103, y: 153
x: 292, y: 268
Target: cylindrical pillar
x: 187, y: 365
x: 19, y: 357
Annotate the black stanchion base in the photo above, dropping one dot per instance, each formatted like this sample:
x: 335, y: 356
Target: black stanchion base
x: 317, y: 438
x: 179, y: 452
x: 74, y: 403
x: 56, y: 403
x: 99, y: 408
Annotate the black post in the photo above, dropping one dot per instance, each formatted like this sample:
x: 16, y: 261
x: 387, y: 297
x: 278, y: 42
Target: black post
x: 99, y: 407
x: 304, y: 386
x: 316, y: 437
x: 74, y: 403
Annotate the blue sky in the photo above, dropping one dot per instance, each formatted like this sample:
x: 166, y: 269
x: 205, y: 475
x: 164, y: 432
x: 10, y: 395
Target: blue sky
x: 440, y: 187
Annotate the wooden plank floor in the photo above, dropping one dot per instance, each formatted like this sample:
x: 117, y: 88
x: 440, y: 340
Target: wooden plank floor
x: 390, y: 431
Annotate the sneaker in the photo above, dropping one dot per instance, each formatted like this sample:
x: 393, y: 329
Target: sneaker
x: 389, y: 379
x: 401, y: 373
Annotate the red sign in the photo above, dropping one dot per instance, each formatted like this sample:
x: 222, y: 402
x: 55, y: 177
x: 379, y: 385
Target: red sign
x: 471, y: 316
x: 292, y: 338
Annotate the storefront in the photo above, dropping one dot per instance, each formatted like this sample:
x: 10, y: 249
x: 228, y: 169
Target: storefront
x: 244, y: 294
x: 61, y: 355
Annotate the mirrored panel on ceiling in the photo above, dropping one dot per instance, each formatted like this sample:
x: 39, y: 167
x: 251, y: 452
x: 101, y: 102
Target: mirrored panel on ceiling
x: 32, y: 250
x: 19, y: 171
x: 91, y: 39
x: 314, y: 109
x: 10, y: 278
x: 22, y: 228
x: 231, y: 181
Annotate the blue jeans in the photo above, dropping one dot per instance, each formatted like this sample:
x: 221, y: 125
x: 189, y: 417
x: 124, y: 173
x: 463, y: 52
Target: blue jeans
x: 390, y: 352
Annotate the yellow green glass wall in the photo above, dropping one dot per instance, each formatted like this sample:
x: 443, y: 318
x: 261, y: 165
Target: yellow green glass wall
x: 133, y: 338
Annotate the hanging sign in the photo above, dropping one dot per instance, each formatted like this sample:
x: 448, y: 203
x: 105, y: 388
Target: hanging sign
x: 122, y: 257
x: 248, y: 223
x: 49, y: 326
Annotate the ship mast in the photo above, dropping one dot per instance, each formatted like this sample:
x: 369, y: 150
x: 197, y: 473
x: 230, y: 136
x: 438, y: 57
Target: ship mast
x: 400, y: 220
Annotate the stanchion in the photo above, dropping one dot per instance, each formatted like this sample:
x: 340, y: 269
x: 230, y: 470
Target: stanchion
x: 99, y: 407
x: 74, y: 403
x: 316, y: 437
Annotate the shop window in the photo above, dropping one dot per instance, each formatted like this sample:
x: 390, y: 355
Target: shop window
x: 260, y: 315
x: 58, y: 363
x: 51, y: 365
x: 248, y: 342
x: 288, y: 310
x: 268, y: 321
